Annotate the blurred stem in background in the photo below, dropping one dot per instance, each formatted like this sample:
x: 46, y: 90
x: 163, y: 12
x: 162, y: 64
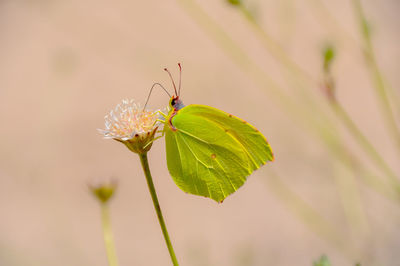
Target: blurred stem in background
x: 345, y: 182
x: 324, y: 16
x: 362, y: 140
x: 322, y: 261
x: 300, y: 75
x: 376, y: 73
x: 278, y: 52
x: 352, y: 203
x: 287, y: 17
x: 310, y: 217
x: 108, y: 236
x: 305, y: 117
x: 272, y: 46
x: 104, y: 193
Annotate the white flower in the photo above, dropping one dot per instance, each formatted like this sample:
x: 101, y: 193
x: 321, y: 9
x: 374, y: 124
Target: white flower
x: 131, y: 125
x: 127, y: 120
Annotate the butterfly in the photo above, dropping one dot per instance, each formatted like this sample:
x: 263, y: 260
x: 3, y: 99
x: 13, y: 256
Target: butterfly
x: 210, y: 152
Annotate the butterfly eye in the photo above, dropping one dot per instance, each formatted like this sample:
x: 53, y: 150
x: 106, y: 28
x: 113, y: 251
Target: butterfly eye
x: 173, y: 102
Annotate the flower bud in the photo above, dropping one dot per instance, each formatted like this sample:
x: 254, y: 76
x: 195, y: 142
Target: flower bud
x: 104, y: 191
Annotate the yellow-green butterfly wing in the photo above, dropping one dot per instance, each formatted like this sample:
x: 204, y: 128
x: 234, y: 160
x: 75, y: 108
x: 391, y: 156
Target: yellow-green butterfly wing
x: 210, y: 153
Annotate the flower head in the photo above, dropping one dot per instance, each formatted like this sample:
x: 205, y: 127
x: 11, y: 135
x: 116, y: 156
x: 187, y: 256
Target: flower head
x: 132, y: 125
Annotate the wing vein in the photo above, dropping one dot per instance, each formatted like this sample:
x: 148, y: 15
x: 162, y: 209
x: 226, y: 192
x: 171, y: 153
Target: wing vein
x: 233, y: 137
x: 180, y: 156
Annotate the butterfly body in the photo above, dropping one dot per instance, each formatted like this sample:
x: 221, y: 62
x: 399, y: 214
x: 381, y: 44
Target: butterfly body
x: 209, y: 152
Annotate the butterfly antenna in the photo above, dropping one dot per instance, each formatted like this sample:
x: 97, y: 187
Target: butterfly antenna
x: 173, y: 82
x: 180, y: 78
x: 151, y: 90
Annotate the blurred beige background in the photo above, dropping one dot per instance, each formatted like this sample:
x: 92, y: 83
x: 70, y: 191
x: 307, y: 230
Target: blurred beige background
x: 65, y: 64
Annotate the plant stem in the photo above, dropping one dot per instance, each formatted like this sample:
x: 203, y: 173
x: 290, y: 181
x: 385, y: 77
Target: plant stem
x: 274, y: 47
x: 276, y: 50
x: 353, y: 207
x: 377, y: 76
x: 323, y: 15
x: 149, y: 179
x: 366, y: 144
x: 108, y: 236
x: 307, y: 214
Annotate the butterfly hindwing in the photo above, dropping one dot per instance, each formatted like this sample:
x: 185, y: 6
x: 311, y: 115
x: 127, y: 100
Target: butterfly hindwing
x: 202, y: 160
x: 211, y: 153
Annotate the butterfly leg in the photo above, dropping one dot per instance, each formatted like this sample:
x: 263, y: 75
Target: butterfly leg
x: 160, y: 120
x: 156, y: 138
x: 162, y: 114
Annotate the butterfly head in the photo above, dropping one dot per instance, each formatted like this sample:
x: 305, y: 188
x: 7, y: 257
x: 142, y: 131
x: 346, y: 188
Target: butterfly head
x: 176, y: 103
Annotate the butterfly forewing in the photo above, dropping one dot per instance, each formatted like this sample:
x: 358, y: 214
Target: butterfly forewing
x: 253, y: 142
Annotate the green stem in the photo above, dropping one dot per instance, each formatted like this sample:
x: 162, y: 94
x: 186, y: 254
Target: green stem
x: 149, y: 179
x: 323, y: 15
x: 366, y: 144
x: 108, y: 236
x: 353, y: 207
x: 274, y: 47
x: 307, y: 214
x: 377, y: 76
x: 277, y: 51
